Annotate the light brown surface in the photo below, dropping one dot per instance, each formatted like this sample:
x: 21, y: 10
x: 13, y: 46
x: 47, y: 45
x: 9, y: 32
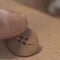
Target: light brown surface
x: 46, y: 27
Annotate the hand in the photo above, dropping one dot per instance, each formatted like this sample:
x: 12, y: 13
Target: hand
x: 11, y: 24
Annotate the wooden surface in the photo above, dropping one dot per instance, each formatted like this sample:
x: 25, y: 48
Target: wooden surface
x: 46, y: 27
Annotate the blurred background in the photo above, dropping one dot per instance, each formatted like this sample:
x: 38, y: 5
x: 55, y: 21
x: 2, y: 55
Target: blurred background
x: 41, y: 5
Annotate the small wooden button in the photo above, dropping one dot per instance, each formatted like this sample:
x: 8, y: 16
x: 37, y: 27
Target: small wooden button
x: 24, y: 45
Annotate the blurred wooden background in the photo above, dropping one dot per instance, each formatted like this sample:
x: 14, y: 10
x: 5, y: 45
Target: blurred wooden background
x: 41, y: 5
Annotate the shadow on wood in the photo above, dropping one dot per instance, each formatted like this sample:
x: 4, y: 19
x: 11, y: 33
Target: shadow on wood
x: 4, y: 52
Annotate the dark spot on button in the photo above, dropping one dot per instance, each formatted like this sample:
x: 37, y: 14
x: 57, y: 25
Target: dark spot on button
x: 26, y: 38
x: 24, y: 43
x: 21, y: 37
x: 19, y: 41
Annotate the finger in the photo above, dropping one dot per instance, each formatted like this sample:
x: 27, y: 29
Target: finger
x: 11, y: 24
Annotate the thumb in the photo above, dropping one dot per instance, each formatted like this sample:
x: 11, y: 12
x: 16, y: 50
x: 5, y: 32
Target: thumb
x: 11, y: 24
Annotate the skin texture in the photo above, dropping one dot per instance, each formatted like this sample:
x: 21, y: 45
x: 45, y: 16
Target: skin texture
x: 11, y: 24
